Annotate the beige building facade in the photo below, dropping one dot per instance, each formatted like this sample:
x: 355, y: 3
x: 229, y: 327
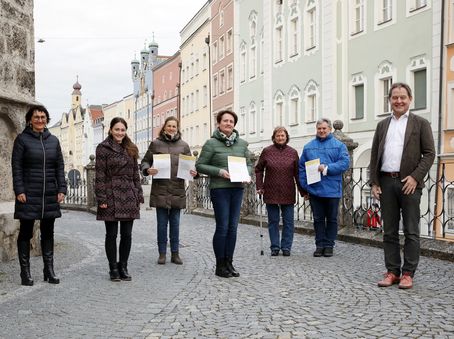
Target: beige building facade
x: 195, y: 74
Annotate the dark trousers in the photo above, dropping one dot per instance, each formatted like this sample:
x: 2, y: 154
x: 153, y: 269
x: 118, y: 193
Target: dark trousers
x: 325, y: 212
x: 393, y: 204
x: 125, y: 240
x: 26, y: 229
x: 227, y: 208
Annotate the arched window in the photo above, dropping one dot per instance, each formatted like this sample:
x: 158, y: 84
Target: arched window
x: 279, y: 109
x: 311, y: 93
x: 294, y: 105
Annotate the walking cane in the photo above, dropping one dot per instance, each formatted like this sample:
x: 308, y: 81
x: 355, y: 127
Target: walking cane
x: 261, y: 224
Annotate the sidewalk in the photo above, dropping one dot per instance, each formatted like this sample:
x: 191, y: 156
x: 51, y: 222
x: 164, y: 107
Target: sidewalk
x: 287, y: 297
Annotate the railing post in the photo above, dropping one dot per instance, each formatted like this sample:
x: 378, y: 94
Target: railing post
x: 193, y: 186
x: 90, y: 175
x: 346, y: 208
x: 249, y: 197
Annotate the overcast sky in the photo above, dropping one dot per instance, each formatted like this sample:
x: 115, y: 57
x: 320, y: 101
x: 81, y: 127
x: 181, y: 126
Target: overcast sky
x: 97, y: 40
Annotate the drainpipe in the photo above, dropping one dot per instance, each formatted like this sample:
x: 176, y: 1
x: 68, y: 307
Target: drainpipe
x: 440, y: 103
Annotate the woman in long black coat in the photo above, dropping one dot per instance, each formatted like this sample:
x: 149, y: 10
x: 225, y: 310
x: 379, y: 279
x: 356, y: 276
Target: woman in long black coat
x: 39, y: 185
x: 119, y: 194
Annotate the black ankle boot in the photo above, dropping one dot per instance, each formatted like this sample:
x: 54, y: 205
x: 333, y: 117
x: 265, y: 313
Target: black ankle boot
x: 47, y: 247
x: 230, y: 268
x: 23, y: 252
x: 114, y: 274
x: 221, y: 268
x: 123, y: 271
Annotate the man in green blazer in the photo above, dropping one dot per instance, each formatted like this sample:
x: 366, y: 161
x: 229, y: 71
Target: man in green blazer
x: 402, y: 153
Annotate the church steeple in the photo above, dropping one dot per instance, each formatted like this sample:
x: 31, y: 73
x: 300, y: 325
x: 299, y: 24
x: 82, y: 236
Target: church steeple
x: 76, y: 94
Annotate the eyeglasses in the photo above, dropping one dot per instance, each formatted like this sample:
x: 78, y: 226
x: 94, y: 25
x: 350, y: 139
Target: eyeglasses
x: 37, y: 118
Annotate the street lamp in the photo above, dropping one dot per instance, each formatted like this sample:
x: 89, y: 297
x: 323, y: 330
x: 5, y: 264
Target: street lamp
x: 207, y: 41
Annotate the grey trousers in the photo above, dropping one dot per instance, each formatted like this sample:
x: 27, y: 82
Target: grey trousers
x: 394, y: 204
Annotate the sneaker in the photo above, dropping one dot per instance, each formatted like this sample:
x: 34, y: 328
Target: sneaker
x: 274, y: 253
x: 389, y: 280
x: 319, y: 252
x: 286, y: 253
x: 406, y: 282
x: 328, y: 252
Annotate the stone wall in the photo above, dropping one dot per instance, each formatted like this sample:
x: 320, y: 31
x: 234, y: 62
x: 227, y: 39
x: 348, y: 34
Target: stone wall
x: 17, y: 92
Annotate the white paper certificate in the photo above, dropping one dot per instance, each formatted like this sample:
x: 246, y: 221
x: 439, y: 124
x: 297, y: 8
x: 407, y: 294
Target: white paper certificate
x: 238, y: 169
x: 185, y: 164
x: 162, y: 163
x: 312, y: 173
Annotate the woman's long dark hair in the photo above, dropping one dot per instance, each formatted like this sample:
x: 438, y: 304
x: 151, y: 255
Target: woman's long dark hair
x: 127, y: 143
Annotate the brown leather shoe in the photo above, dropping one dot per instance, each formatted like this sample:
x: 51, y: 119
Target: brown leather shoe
x: 176, y: 258
x: 406, y: 281
x: 389, y: 280
x: 162, y: 259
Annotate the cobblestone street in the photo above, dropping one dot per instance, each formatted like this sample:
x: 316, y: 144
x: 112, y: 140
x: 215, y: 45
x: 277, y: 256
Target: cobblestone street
x: 287, y: 297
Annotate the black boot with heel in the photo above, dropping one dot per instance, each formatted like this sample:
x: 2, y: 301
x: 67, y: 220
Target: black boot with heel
x: 23, y: 251
x: 47, y: 247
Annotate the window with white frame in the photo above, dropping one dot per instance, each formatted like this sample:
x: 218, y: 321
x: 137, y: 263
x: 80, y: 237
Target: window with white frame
x: 242, y: 121
x: 221, y: 82
x: 385, y: 81
x: 221, y: 47
x: 243, y: 62
x: 262, y: 114
x: 229, y: 77
x: 205, y: 95
x: 192, y: 102
x: 262, y: 52
x: 311, y: 25
x: 215, y: 85
x: 252, y: 118
x: 215, y: 52
x: 415, y: 5
x: 418, y: 81
x: 358, y: 11
x: 197, y: 66
x: 221, y: 18
x: 279, y: 109
x: 311, y: 101
x: 204, y: 61
x: 385, y: 10
x: 278, y: 43
x: 420, y: 88
x: 294, y: 36
x: 229, y: 42
x: 294, y: 105
x: 197, y: 100
x: 253, y: 24
x: 358, y: 98
x: 252, y: 62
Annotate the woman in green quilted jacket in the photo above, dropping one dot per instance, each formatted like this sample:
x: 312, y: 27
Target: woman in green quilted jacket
x: 226, y: 196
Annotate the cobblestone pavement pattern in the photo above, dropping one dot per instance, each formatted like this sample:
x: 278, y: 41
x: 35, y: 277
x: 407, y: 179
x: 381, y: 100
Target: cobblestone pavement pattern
x: 276, y: 297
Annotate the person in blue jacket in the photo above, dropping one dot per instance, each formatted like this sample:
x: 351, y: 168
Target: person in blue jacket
x: 324, y: 195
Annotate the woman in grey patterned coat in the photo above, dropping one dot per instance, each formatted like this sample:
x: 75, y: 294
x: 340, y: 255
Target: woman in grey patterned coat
x: 118, y: 193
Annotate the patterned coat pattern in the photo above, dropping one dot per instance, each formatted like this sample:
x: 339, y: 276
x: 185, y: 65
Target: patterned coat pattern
x: 167, y: 193
x: 117, y: 183
x: 38, y: 172
x: 277, y: 174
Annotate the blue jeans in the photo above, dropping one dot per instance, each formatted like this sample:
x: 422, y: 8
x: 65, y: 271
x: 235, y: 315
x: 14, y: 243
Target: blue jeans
x: 227, y: 207
x: 287, y: 229
x: 325, y: 211
x: 169, y: 216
